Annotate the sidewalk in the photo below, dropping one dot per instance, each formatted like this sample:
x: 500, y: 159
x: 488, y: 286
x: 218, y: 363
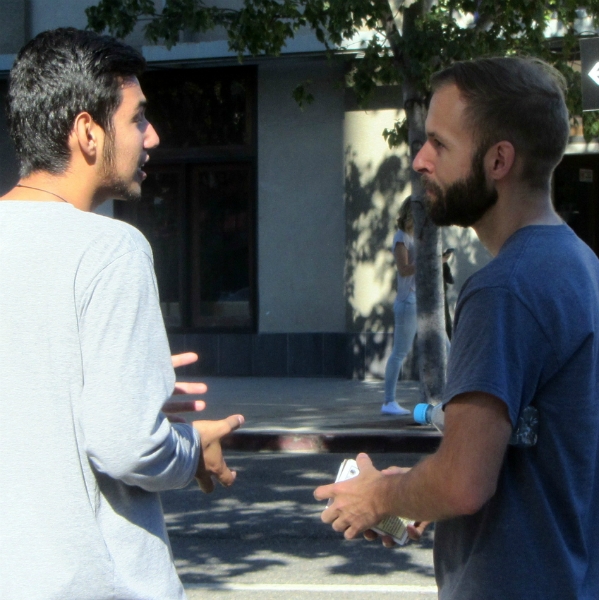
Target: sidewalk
x: 315, y: 415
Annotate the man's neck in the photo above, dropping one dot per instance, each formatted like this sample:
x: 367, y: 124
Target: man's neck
x: 514, y: 210
x: 45, y: 187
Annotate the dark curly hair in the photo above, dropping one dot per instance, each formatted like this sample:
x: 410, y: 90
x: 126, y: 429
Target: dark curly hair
x: 56, y: 76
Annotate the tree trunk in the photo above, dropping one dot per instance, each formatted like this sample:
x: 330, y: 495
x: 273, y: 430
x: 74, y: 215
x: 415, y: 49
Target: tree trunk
x: 431, y: 339
x: 429, y: 281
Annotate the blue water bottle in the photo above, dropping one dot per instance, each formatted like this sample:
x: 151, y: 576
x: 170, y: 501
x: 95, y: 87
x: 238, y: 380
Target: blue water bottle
x: 430, y: 414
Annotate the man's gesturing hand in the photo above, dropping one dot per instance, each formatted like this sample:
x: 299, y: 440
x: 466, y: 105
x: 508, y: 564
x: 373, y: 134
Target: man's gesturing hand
x: 172, y: 407
x: 212, y: 464
x: 193, y: 387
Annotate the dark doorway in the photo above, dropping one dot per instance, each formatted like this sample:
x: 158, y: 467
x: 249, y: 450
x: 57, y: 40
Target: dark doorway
x: 576, y: 195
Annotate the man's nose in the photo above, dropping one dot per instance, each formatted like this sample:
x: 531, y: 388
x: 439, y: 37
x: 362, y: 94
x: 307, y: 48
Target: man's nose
x: 151, y: 139
x: 421, y: 162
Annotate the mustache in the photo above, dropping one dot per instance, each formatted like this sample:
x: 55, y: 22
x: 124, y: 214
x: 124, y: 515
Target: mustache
x: 428, y: 184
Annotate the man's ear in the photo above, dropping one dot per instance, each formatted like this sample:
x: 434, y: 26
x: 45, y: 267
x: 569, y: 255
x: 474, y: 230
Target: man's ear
x: 499, y: 160
x: 87, y: 136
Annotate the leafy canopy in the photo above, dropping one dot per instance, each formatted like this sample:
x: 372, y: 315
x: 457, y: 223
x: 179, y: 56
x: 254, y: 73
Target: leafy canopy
x: 406, y: 41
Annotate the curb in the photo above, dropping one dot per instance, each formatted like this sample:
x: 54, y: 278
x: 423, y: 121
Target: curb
x: 334, y: 442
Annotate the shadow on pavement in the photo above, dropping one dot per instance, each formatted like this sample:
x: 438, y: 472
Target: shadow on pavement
x: 268, y: 523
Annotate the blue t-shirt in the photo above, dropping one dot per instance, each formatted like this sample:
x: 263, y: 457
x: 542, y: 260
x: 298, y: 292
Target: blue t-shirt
x: 527, y: 331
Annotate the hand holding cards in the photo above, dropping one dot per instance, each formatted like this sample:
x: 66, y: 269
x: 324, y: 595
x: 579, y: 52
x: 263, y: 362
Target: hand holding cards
x: 396, y: 527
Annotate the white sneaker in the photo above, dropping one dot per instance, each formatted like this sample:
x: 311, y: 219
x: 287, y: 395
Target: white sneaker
x: 392, y: 408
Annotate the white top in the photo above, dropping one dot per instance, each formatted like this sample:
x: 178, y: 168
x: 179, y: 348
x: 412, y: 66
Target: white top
x: 84, y: 370
x: 405, y: 285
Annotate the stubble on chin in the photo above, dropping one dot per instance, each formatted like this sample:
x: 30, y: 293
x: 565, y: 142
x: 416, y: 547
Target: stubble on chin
x: 119, y: 189
x: 127, y: 194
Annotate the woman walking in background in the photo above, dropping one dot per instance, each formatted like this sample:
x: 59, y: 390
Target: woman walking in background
x: 404, y: 306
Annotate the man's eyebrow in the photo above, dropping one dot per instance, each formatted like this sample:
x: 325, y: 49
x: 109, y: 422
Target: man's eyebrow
x: 436, y: 136
x: 142, y: 104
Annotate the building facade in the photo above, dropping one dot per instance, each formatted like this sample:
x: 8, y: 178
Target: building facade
x: 271, y: 225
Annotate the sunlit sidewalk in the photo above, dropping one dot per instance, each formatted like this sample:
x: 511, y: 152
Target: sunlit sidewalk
x: 316, y: 415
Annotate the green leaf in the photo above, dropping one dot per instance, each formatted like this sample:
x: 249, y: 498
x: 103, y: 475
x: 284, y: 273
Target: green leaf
x: 398, y: 135
x: 302, y: 95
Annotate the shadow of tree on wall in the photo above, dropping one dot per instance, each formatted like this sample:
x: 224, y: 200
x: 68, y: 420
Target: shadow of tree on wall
x: 372, y: 199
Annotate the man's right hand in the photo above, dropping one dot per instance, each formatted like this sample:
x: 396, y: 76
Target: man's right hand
x: 212, y: 464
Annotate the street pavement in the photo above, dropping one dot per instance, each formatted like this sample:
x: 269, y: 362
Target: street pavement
x: 315, y: 415
x: 262, y: 538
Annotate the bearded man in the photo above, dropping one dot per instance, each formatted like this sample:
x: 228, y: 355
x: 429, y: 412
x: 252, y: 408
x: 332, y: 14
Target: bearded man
x: 511, y: 522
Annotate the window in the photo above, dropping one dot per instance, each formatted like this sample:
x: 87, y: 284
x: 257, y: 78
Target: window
x: 220, y: 236
x: 198, y: 202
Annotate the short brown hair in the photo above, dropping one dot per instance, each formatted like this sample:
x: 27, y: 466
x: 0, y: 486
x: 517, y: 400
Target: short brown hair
x: 520, y: 100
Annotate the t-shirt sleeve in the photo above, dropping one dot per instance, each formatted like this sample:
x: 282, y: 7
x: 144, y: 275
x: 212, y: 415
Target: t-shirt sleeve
x: 128, y: 376
x: 498, y: 348
x: 398, y: 238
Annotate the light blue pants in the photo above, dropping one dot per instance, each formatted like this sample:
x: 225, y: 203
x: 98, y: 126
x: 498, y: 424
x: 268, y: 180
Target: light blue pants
x: 403, y: 337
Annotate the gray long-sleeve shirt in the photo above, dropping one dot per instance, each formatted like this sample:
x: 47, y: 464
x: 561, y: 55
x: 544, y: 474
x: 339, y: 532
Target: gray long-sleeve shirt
x: 84, y: 370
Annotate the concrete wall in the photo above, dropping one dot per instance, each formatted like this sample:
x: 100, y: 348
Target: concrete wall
x: 376, y: 183
x: 50, y: 14
x: 301, y: 212
x: 43, y: 14
x: 12, y: 25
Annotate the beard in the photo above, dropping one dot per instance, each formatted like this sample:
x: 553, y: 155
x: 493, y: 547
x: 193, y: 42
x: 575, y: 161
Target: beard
x: 465, y: 201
